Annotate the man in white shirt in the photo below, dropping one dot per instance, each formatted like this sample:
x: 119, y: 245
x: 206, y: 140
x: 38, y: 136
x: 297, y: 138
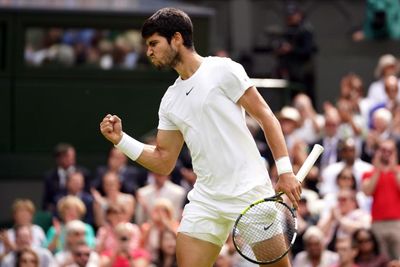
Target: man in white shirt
x: 205, y: 108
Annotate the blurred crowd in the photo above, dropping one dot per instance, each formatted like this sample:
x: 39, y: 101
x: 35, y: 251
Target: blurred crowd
x: 84, y: 47
x: 123, y: 215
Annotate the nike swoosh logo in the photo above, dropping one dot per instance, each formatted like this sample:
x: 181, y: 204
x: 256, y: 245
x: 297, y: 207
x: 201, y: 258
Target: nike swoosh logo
x: 267, y: 227
x: 188, y: 92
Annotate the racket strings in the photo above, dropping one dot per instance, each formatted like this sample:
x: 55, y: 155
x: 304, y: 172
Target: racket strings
x: 265, y: 232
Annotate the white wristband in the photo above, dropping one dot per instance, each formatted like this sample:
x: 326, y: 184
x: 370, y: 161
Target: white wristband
x: 131, y: 147
x: 283, y: 165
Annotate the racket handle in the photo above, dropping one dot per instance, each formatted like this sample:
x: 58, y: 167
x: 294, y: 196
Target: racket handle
x: 309, y: 162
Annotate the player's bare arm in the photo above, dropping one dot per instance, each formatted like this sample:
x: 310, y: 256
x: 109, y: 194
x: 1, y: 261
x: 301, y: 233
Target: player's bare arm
x: 159, y: 158
x: 255, y: 105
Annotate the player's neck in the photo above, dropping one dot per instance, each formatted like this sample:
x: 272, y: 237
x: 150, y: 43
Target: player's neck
x: 189, y: 64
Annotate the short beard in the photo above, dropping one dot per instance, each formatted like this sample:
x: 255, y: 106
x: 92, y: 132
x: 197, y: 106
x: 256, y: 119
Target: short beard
x: 171, y: 60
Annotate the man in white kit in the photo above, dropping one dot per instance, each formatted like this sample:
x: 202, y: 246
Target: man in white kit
x: 205, y: 108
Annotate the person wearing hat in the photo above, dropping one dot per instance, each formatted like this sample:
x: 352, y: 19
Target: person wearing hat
x: 289, y: 118
x: 387, y: 65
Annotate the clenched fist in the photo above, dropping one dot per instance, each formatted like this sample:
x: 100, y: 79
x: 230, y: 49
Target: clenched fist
x: 111, y: 128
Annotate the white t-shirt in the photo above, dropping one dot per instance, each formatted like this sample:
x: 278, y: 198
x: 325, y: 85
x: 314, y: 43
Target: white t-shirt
x: 203, y: 108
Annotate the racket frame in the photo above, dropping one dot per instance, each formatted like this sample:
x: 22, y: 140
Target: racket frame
x: 275, y: 198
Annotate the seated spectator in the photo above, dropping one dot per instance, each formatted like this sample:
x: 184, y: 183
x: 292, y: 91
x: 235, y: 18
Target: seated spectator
x: 131, y: 178
x: 55, y: 180
x: 311, y: 123
x: 382, y: 121
x: 124, y: 254
x: 330, y: 138
x: 349, y: 158
x: 347, y: 252
x: 23, y: 240
x: 162, y: 187
x: 315, y: 253
x: 23, y: 211
x: 113, y: 195
x: 346, y: 180
x: 343, y: 219
x: 289, y: 118
x: 368, y: 254
x: 387, y: 65
x: 167, y: 251
x: 69, y: 208
x: 75, y: 187
x: 74, y: 234
x: 27, y: 258
x: 84, y: 256
x: 106, y: 239
x: 161, y: 219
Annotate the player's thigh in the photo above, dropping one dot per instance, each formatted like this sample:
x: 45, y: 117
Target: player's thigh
x: 193, y: 252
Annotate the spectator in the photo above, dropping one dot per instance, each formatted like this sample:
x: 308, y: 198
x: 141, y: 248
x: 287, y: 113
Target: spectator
x: 106, y: 239
x: 69, y: 208
x: 392, y: 103
x: 343, y: 219
x: 330, y: 138
x: 315, y: 253
x: 347, y: 252
x: 352, y: 90
x: 74, y: 234
x: 387, y: 66
x: 130, y: 177
x: 55, y: 180
x: 289, y: 118
x: 27, y: 258
x: 162, y: 218
x: 383, y: 184
x: 75, y: 187
x: 382, y: 120
x: 368, y: 254
x: 311, y: 123
x: 349, y: 159
x: 167, y: 251
x: 123, y: 254
x: 296, y: 50
x: 381, y: 21
x: 161, y: 188
x: 347, y: 181
x: 113, y: 195
x: 23, y: 240
x: 84, y: 256
x: 23, y: 211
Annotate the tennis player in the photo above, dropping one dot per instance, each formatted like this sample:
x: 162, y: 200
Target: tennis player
x: 205, y: 108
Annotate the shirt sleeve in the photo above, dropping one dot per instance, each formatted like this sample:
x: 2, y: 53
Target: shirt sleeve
x: 164, y: 122
x: 234, y: 80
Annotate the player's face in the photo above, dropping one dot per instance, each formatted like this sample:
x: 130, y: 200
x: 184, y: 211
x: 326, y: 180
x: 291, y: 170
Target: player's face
x: 160, y: 52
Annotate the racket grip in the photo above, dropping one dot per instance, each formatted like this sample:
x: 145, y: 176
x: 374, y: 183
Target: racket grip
x: 309, y: 162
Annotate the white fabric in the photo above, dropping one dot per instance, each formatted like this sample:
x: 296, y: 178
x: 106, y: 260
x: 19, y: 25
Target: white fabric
x: 203, y: 108
x: 131, y: 147
x: 330, y: 173
x: 212, y: 220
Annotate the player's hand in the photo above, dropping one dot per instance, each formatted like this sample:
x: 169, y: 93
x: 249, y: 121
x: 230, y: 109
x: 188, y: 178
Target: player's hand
x: 111, y: 128
x: 288, y: 184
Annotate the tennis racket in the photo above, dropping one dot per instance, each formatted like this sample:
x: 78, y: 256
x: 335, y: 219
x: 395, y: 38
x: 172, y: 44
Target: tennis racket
x: 266, y: 230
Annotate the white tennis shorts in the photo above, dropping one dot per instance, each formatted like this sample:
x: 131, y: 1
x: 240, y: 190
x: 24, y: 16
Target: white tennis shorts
x: 212, y: 220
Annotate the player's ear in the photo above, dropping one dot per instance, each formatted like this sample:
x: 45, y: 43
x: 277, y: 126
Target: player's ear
x: 177, y: 38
